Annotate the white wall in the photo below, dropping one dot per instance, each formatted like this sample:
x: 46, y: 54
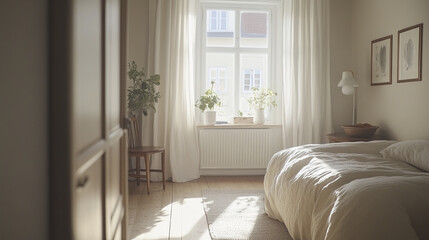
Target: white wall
x: 400, y: 109
x: 23, y: 120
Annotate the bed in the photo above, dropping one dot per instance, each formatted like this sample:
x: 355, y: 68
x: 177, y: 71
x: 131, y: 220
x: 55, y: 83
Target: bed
x: 360, y: 190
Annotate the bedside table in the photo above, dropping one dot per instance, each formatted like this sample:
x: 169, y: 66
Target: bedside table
x: 342, y: 137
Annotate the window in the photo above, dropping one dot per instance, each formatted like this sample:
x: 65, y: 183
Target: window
x: 236, y: 53
x: 220, y: 23
x: 251, y: 79
x: 218, y: 75
x: 217, y: 21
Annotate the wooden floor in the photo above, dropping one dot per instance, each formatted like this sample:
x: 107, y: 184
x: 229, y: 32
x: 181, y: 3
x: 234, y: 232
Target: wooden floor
x: 177, y: 212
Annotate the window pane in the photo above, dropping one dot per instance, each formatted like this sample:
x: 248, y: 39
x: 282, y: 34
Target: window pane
x: 221, y: 81
x: 247, y: 80
x: 212, y: 75
x: 213, y: 24
x: 223, y: 20
x: 253, y: 73
x: 212, y: 20
x: 220, y: 28
x: 254, y: 29
x: 223, y: 64
x: 223, y: 24
x: 257, y: 79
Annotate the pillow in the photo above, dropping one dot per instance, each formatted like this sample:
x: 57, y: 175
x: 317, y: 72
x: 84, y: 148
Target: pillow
x: 372, y: 147
x: 414, y: 152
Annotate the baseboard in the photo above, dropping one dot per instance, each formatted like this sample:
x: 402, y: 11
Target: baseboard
x: 231, y: 172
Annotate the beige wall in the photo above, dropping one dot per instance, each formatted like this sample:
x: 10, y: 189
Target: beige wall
x: 399, y: 109
x: 138, y: 34
x: 137, y: 29
x: 23, y: 120
x: 341, y: 59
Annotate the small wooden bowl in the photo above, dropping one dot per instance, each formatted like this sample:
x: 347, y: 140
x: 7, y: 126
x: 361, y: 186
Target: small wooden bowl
x: 359, y: 130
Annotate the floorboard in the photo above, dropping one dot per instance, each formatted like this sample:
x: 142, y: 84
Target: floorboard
x: 177, y: 212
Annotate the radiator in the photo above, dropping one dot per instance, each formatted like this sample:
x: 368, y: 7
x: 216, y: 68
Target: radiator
x: 235, y: 148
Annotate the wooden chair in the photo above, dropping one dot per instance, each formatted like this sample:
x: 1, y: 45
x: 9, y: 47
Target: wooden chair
x: 135, y: 149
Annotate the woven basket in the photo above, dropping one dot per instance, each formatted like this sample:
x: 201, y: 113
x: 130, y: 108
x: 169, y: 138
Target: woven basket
x: 359, y: 130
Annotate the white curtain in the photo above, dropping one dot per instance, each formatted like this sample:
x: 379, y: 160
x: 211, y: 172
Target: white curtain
x: 172, y: 26
x: 307, y: 104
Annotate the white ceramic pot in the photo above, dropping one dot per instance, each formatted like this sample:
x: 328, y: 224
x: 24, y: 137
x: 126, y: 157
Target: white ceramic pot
x: 259, y: 116
x: 209, y: 117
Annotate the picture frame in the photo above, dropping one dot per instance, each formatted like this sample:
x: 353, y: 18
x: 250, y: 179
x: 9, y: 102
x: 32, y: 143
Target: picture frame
x: 381, y: 61
x: 410, y: 54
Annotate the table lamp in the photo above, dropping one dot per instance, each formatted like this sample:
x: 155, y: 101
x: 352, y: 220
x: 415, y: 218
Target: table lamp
x: 348, y: 85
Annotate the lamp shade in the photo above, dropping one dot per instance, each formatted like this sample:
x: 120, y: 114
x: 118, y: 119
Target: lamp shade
x: 347, y: 89
x: 348, y: 80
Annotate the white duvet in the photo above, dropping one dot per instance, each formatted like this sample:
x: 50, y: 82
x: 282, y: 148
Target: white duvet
x: 347, y: 191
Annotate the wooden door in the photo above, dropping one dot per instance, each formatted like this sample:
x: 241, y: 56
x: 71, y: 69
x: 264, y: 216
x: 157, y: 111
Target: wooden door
x: 87, y: 143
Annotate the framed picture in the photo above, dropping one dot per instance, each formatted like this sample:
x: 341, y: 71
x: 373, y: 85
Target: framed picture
x: 381, y: 61
x: 410, y: 54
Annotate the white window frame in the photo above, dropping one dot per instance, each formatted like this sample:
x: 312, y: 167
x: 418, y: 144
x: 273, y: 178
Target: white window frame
x: 274, y: 70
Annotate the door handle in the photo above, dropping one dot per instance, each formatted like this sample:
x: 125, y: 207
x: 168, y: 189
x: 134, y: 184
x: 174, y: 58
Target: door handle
x: 82, y: 182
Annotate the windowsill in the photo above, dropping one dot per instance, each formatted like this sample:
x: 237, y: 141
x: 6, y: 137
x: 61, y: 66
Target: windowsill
x: 239, y: 126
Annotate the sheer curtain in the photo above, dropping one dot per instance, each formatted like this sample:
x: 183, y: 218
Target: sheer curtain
x: 172, y: 54
x: 307, y: 103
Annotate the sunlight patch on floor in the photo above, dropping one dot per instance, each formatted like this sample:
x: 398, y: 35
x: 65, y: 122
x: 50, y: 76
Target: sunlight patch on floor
x: 189, y: 220
x: 154, y: 224
x: 245, y: 204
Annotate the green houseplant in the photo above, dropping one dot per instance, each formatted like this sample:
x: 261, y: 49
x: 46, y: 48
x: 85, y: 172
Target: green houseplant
x: 261, y: 98
x: 206, y: 104
x: 142, y: 95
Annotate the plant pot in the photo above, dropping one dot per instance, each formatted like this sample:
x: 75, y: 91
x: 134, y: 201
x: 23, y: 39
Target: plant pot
x: 209, y: 117
x: 259, y: 116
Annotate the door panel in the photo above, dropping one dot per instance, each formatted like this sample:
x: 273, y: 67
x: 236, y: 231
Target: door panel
x: 89, y: 198
x: 87, y: 73
x: 113, y: 188
x: 87, y: 125
x: 114, y: 192
x: 113, y: 62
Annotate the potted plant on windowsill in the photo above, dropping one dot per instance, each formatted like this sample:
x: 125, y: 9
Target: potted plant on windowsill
x: 206, y: 104
x: 261, y: 98
x: 142, y: 95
